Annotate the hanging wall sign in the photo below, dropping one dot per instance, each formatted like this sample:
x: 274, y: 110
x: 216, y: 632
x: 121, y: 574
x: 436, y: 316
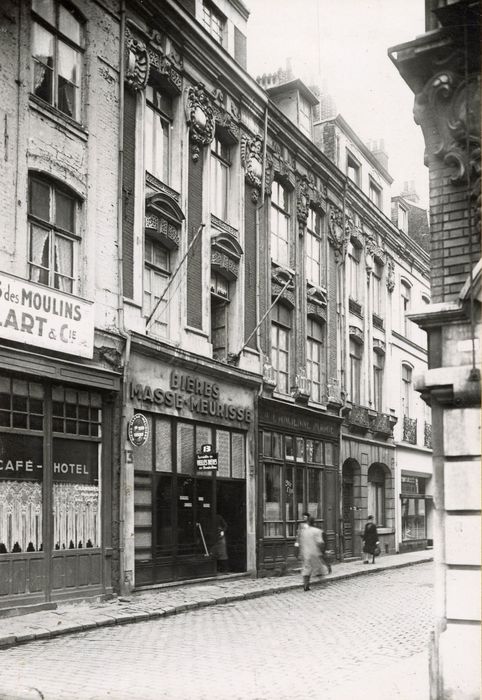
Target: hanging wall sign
x: 138, y: 430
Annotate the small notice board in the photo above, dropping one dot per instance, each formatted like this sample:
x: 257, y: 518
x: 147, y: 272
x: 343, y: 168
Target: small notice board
x: 206, y: 459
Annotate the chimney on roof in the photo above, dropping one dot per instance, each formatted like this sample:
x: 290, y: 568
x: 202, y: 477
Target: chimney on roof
x: 409, y: 192
x: 378, y: 150
x: 326, y: 109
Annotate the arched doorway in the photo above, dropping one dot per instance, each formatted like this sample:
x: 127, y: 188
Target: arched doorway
x: 350, y: 467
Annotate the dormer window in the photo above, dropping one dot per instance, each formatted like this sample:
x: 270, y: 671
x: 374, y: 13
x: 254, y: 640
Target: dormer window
x: 213, y: 21
x: 375, y: 194
x: 402, y: 217
x: 353, y: 169
x: 305, y: 116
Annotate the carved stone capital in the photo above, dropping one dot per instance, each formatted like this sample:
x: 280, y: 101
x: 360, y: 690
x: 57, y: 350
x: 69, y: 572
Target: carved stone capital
x: 307, y: 195
x: 302, y: 388
x: 338, y: 232
x: 200, y: 118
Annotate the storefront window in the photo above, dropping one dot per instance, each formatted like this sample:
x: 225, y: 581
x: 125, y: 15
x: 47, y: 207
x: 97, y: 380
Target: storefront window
x: 21, y: 466
x: 273, y: 525
x: 289, y: 447
x: 294, y: 499
x: 413, y: 519
x: 277, y: 446
x: 315, y: 495
x: 376, y: 493
x: 75, y: 466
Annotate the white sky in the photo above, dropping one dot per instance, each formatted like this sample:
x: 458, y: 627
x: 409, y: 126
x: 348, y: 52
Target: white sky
x: 347, y: 41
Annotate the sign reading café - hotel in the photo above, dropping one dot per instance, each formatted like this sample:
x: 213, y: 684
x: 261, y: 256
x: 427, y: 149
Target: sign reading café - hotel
x: 34, y: 314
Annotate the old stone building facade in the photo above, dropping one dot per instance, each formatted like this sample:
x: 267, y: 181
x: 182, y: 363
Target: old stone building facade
x: 216, y: 298
x: 442, y: 67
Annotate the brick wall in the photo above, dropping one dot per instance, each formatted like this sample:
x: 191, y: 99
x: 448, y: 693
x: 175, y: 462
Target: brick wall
x: 194, y: 260
x: 449, y: 228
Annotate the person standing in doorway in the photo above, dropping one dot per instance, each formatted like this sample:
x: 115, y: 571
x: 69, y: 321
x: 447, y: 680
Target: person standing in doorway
x: 310, y: 541
x: 370, y: 540
x: 219, y: 550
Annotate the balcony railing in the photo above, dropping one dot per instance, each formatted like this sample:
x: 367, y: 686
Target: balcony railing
x: 410, y: 430
x: 427, y: 435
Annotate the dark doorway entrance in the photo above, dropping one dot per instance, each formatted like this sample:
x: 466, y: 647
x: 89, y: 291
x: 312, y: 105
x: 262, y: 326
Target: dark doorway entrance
x: 231, y: 504
x: 348, y: 509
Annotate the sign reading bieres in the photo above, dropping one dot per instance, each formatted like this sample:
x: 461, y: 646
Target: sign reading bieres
x: 37, y: 315
x: 199, y: 396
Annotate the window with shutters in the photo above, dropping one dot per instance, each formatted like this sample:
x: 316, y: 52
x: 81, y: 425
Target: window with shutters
x: 157, y: 130
x: 314, y: 359
x: 313, y: 242
x: 280, y: 222
x: 280, y: 346
x: 157, y: 274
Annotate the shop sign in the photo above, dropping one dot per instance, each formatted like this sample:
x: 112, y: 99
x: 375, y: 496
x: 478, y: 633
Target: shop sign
x: 73, y: 461
x: 34, y: 314
x: 206, y: 459
x: 138, y: 430
x: 297, y: 421
x: 199, y: 396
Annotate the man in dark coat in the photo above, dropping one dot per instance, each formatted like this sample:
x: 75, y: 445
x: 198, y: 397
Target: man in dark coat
x: 370, y: 540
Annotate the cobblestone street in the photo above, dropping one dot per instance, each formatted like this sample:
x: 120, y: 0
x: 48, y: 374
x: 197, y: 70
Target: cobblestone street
x: 356, y: 638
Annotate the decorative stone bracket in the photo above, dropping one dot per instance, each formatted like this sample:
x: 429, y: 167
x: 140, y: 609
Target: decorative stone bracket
x: 390, y: 274
x: 356, y: 334
x: 279, y: 278
x: 226, y: 124
x: 301, y: 390
x: 317, y: 301
x: 279, y: 169
x: 136, y: 61
x: 307, y: 195
x: 164, y: 216
x: 225, y: 255
x: 252, y: 162
x: 200, y: 118
x: 269, y: 377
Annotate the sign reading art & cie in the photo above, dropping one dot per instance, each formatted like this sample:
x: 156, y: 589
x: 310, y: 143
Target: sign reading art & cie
x: 45, y: 317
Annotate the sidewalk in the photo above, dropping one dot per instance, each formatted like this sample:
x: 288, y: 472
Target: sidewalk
x: 170, y: 599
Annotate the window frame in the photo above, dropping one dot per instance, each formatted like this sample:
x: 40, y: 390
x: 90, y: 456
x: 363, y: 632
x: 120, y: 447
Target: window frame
x: 407, y: 380
x: 58, y: 37
x: 221, y: 301
x: 210, y: 12
x: 376, y: 481
x: 375, y: 193
x: 354, y: 260
x: 315, y: 344
x: 280, y: 212
x: 279, y: 326
x: 377, y: 288
x: 156, y: 272
x: 313, y: 237
x: 378, y: 377
x: 353, y: 164
x: 220, y: 165
x: 356, y: 361
x: 160, y: 116
x: 54, y: 231
x: 405, y: 302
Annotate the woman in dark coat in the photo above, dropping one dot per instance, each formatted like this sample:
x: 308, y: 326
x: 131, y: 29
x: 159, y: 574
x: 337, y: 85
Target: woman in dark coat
x: 370, y: 540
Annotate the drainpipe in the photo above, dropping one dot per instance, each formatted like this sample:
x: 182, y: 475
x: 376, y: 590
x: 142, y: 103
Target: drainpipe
x: 125, y: 579
x: 258, y: 209
x: 343, y: 310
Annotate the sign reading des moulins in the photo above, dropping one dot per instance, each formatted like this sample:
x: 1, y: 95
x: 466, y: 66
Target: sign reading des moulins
x: 47, y: 318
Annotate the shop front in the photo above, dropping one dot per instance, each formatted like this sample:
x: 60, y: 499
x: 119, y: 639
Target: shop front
x: 415, y: 513
x: 193, y: 476
x: 298, y: 458
x: 55, y: 479
x: 367, y: 488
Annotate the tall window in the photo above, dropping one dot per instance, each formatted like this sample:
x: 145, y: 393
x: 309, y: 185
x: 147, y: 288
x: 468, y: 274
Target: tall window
x: 355, y: 371
x: 220, y: 163
x: 53, y: 234
x: 406, y: 390
x: 280, y: 220
x: 313, y: 248
x: 377, y: 289
x: 219, y: 316
x: 402, y: 216
x: 378, y: 366
x: 375, y: 194
x: 305, y: 115
x: 405, y: 293
x: 376, y: 493
x: 156, y: 278
x: 354, y: 274
x: 57, y: 40
x: 280, y: 346
x: 353, y: 169
x: 314, y: 358
x: 157, y: 134
x: 213, y: 21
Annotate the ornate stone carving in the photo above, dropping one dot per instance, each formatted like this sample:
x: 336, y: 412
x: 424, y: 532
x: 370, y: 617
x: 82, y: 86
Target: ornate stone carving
x: 390, y: 274
x: 225, y: 122
x: 448, y: 110
x: 279, y: 278
x: 279, y: 168
x: 356, y: 333
x: 225, y: 255
x: 168, y: 233
x: 222, y: 226
x: 164, y: 216
x: 252, y: 162
x: 157, y: 186
x: 338, y: 236
x: 163, y: 74
x: 317, y: 300
x: 200, y: 118
x: 269, y: 376
x: 307, y: 195
x: 302, y: 388
x: 379, y: 345
x: 137, y: 62
x: 374, y: 249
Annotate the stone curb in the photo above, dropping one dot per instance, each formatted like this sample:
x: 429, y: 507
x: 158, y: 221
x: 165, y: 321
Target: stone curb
x: 123, y: 618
